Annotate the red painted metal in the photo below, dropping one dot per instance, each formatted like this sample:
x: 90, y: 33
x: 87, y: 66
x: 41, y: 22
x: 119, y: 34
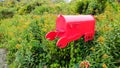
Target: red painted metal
x: 72, y: 27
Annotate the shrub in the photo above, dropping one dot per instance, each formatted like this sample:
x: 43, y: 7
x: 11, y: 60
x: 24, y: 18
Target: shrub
x: 24, y: 37
x: 28, y: 8
x: 90, y: 7
x: 42, y: 9
x: 6, y: 13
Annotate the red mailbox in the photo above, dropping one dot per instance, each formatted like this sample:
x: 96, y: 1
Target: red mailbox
x: 72, y: 27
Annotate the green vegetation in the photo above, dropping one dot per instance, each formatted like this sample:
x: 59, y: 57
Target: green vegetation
x: 23, y: 26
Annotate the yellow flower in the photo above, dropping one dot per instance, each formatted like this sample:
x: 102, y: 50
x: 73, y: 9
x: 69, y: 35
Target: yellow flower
x: 91, y: 9
x: 104, y: 65
x: 96, y: 10
x: 111, y: 19
x: 39, y: 24
x: 101, y: 17
x: 107, y: 28
x: 36, y: 16
x: 11, y: 34
x: 21, y: 20
x: 27, y: 23
x: 45, y: 30
x: 92, y: 48
x: 19, y: 28
x: 101, y: 39
x: 19, y: 39
x: 24, y: 26
x: 96, y: 17
x: 105, y: 56
x: 18, y: 46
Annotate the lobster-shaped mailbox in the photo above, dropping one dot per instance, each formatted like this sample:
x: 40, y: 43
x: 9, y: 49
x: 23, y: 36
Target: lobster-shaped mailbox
x: 72, y: 27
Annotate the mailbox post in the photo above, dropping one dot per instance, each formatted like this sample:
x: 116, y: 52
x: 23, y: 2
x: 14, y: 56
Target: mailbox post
x: 72, y: 27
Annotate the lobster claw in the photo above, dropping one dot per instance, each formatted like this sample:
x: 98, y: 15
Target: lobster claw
x: 62, y: 42
x: 51, y: 35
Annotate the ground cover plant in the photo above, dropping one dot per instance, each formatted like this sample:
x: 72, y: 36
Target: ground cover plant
x: 24, y: 23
